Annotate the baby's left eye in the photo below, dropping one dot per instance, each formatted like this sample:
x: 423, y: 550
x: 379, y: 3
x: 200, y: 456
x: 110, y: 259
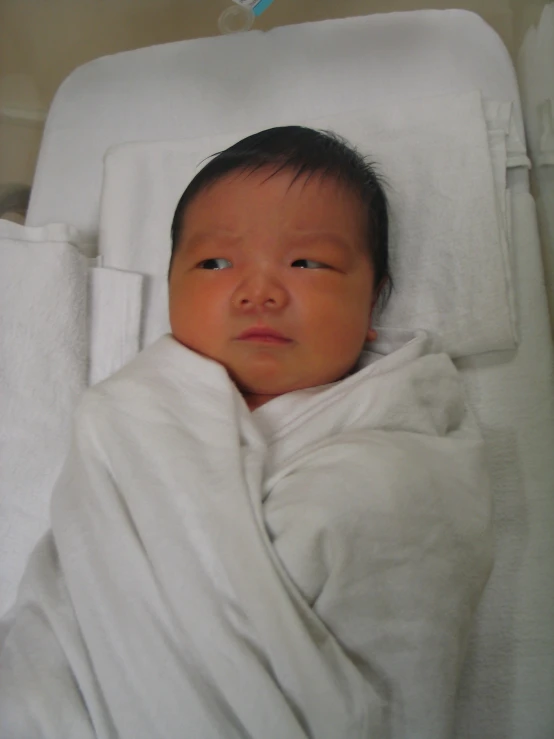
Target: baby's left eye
x: 309, y: 264
x: 215, y: 263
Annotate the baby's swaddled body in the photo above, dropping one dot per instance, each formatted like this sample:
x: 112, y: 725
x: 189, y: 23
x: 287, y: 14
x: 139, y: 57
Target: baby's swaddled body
x: 309, y: 569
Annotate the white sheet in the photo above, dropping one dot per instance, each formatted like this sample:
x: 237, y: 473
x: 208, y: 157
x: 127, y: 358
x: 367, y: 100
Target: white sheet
x: 315, y: 581
x: 434, y: 154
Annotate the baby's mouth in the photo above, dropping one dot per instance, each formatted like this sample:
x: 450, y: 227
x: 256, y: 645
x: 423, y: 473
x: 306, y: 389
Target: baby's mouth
x: 264, y: 335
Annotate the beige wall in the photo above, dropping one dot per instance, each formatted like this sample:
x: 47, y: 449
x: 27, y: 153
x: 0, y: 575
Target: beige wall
x: 42, y: 41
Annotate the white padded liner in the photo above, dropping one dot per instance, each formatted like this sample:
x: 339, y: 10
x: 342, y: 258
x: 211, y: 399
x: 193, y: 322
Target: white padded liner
x: 215, y: 85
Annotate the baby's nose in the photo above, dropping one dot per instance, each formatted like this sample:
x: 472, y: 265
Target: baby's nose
x: 260, y: 290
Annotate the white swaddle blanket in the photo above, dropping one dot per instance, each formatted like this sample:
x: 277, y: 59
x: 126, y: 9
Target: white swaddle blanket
x: 306, y: 570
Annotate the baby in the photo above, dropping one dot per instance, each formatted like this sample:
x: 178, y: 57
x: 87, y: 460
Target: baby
x: 280, y: 251
x: 271, y: 523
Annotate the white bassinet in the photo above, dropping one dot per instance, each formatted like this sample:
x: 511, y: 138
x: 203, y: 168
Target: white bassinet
x: 207, y: 87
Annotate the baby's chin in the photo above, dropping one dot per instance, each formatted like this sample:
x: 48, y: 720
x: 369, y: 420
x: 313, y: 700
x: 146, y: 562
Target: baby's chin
x: 269, y: 382
x: 263, y: 392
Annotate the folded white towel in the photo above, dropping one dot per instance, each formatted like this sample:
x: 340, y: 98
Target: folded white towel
x: 114, y: 320
x: 449, y: 250
x: 43, y: 370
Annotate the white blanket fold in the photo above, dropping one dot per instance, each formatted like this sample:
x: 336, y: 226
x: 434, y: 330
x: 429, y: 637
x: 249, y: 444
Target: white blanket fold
x: 306, y: 570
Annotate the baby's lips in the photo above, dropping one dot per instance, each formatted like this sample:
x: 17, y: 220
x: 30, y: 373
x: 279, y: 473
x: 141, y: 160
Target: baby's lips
x: 263, y: 333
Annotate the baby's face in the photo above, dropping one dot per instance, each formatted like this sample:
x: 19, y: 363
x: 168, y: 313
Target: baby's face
x: 272, y: 279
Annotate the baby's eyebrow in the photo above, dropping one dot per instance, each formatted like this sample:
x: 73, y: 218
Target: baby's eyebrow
x: 328, y: 237
x: 197, y: 241
x: 296, y: 238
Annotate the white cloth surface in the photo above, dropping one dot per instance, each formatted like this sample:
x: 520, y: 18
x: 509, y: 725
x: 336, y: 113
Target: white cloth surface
x: 508, y: 683
x: 205, y: 87
x: 449, y: 251
x: 114, y: 320
x: 43, y: 371
x: 309, y: 569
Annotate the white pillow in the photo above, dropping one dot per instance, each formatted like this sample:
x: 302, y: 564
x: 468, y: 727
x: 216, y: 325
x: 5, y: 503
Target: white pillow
x: 449, y: 249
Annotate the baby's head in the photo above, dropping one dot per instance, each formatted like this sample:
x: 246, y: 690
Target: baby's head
x: 279, y: 254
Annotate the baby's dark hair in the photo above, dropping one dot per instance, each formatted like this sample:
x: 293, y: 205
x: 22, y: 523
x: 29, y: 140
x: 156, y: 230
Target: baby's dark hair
x: 306, y: 152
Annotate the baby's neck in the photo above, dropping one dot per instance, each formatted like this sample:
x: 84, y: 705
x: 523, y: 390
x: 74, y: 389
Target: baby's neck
x: 254, y: 401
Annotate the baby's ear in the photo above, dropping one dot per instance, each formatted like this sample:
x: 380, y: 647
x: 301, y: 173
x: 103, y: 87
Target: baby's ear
x: 383, y: 285
x: 371, y: 334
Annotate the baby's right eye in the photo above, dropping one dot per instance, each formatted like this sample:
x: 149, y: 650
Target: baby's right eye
x: 216, y: 263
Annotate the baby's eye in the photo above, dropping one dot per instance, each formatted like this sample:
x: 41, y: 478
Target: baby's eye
x: 216, y: 263
x: 308, y: 264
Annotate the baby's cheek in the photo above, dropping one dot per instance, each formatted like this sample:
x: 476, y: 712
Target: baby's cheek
x: 343, y: 321
x: 196, y: 317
